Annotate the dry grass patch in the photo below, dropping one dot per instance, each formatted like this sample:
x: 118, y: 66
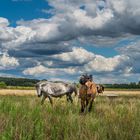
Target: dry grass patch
x: 17, y: 92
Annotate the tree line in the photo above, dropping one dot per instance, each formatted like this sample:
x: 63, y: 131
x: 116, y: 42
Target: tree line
x: 8, y: 81
x: 25, y: 82
x: 131, y: 85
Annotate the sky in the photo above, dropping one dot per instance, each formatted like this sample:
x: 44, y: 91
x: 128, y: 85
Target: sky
x: 62, y: 39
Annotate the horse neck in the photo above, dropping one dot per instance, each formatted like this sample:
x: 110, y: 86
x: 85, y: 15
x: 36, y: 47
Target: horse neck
x: 89, y: 83
x: 91, y: 87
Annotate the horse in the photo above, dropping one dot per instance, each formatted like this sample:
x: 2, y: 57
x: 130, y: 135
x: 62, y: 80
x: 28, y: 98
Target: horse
x: 100, y: 89
x: 48, y: 89
x: 87, y: 94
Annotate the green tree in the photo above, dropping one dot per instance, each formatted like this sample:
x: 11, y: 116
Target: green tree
x: 3, y: 85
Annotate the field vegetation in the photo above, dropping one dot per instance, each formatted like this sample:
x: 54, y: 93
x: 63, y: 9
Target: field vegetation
x: 23, y: 118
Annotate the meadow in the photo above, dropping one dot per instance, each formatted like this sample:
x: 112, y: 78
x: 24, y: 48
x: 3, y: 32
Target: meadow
x: 23, y: 118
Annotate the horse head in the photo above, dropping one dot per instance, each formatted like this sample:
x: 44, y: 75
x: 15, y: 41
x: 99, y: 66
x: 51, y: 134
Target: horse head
x: 38, y: 89
x: 100, y: 88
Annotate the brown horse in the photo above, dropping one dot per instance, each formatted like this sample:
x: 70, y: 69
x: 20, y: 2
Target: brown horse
x: 100, y: 89
x: 87, y: 94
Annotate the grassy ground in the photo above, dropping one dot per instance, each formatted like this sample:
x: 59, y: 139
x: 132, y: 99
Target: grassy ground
x: 17, y: 92
x: 18, y: 88
x: 23, y: 118
x: 33, y: 88
x: 23, y: 92
x: 122, y: 89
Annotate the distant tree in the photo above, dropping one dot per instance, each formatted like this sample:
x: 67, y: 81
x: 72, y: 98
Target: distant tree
x: 3, y: 85
x: 9, y: 81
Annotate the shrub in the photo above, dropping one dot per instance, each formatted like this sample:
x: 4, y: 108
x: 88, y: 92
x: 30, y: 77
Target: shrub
x: 3, y: 85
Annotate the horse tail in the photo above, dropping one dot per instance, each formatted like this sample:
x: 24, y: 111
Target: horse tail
x: 103, y: 88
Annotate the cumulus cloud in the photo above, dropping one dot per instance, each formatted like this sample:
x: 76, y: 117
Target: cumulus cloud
x: 70, y: 22
x: 91, y: 63
x: 3, y: 22
x: 68, y: 26
x: 42, y: 70
x: 8, y: 62
x: 104, y: 19
x: 10, y: 37
x: 15, y: 37
x: 101, y: 67
x: 133, y: 52
x: 77, y: 55
x: 102, y: 64
x: 50, y: 41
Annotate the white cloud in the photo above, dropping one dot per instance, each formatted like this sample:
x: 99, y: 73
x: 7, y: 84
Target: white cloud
x: 98, y: 22
x: 3, y: 22
x: 78, y: 55
x: 102, y: 64
x: 42, y: 70
x: 48, y: 63
x: 16, y: 36
x: 8, y: 62
x: 93, y: 62
x: 133, y: 52
x: 69, y: 23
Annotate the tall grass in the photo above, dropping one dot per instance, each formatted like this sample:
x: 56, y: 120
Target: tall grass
x: 23, y: 118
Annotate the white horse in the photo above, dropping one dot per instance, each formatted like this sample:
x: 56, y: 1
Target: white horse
x: 48, y: 89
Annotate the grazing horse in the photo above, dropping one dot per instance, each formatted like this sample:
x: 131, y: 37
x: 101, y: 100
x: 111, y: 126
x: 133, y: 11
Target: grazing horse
x: 100, y: 89
x: 87, y: 94
x: 48, y: 89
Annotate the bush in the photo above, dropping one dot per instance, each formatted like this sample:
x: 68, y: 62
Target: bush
x: 3, y: 85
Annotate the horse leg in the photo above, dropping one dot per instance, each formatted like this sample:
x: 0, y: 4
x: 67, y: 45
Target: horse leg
x: 43, y: 99
x: 67, y: 98
x: 82, y: 105
x: 90, y: 105
x: 75, y: 91
x: 50, y: 99
x: 70, y: 98
x: 91, y: 101
x: 87, y: 102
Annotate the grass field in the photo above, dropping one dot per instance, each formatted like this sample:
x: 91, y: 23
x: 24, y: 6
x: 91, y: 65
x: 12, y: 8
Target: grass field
x: 23, y: 118
x: 23, y: 92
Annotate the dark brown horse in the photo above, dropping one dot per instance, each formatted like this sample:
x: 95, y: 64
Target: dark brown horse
x: 87, y: 94
x: 100, y: 89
